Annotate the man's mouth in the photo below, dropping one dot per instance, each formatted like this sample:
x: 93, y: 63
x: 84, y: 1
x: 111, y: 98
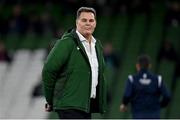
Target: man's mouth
x: 87, y: 28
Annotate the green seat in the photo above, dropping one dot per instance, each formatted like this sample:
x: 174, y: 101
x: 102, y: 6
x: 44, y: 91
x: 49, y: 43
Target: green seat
x: 154, y: 38
x: 29, y: 41
x: 102, y: 30
x: 174, y: 110
x: 166, y: 69
x: 68, y: 22
x: 119, y: 32
x: 173, y: 35
x: 12, y: 41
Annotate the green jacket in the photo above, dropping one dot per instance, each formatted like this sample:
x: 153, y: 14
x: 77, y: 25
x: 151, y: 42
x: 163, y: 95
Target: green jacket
x: 67, y: 75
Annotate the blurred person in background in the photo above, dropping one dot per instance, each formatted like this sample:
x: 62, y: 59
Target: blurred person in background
x: 176, y: 75
x: 3, y: 25
x: 41, y: 25
x: 113, y: 62
x: 172, y: 17
x: 70, y: 4
x: 49, y: 26
x: 167, y: 52
x: 115, y: 7
x: 73, y: 74
x: 139, y: 6
x: 35, y: 24
x: 4, y: 55
x: 110, y: 56
x: 144, y: 91
x: 18, y: 22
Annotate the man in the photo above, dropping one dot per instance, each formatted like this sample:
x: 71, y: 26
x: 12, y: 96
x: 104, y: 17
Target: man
x: 144, y: 90
x: 73, y: 77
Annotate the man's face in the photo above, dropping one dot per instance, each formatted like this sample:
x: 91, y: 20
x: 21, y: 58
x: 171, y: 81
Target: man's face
x: 86, y: 23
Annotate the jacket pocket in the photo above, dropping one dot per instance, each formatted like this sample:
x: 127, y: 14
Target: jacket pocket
x: 76, y: 89
x: 60, y: 85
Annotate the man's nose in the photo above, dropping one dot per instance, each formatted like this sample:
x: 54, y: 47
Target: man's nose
x: 87, y: 23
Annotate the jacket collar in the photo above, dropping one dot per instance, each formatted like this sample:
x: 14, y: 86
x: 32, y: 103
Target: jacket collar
x: 82, y: 38
x: 77, y: 40
x: 80, y: 45
x: 142, y: 71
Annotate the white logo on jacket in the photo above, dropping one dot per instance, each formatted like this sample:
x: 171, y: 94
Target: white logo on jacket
x: 144, y: 80
x: 78, y: 48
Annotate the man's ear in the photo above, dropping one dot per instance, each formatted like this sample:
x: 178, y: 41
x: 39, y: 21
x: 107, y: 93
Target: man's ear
x: 95, y: 22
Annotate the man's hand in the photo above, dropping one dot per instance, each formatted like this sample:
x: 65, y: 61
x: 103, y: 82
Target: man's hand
x: 123, y: 108
x: 48, y: 108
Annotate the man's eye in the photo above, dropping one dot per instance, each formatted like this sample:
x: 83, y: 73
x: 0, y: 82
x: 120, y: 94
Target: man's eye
x: 91, y: 20
x: 83, y: 20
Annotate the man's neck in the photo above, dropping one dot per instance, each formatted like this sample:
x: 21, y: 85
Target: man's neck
x: 88, y: 38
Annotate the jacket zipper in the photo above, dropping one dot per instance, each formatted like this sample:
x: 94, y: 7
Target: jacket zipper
x: 89, y: 91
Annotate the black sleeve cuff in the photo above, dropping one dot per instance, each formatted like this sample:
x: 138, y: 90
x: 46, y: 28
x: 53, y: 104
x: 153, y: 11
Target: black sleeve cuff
x: 125, y: 100
x: 165, y: 102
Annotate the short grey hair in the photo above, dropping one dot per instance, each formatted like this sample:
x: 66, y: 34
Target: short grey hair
x: 85, y: 9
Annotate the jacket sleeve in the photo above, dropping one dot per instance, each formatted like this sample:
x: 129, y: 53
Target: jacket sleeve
x: 128, y: 92
x: 55, y: 61
x: 166, y: 97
